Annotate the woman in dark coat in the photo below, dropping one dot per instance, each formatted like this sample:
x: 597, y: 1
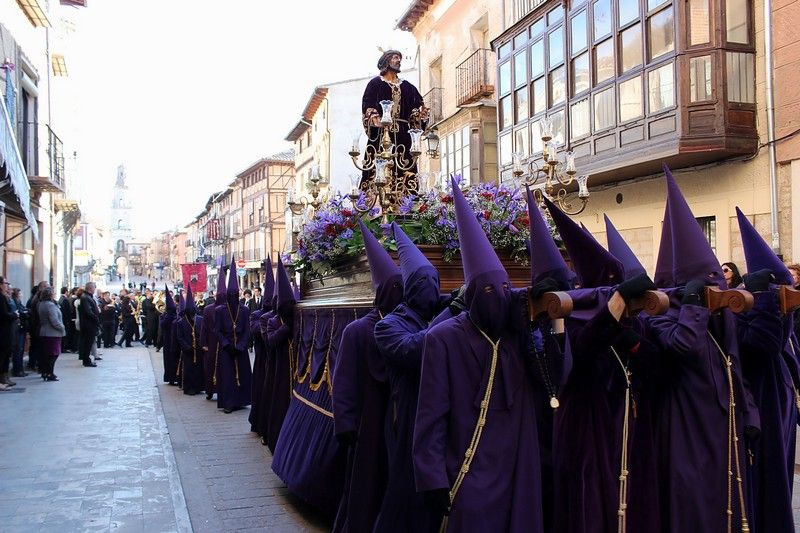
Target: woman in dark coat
x: 51, y: 330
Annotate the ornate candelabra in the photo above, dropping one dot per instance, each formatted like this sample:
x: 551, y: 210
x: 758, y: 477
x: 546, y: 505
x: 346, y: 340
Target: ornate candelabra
x: 300, y: 205
x: 552, y: 177
x: 391, y: 163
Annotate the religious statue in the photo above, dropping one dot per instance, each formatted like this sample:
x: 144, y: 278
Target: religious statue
x: 408, y: 112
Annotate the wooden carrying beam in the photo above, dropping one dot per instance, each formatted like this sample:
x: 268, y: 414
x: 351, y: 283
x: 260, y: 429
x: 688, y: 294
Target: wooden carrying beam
x: 553, y: 304
x: 737, y: 300
x: 652, y: 302
x: 789, y: 299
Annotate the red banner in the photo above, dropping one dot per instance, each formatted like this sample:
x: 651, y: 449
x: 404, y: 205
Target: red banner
x: 195, y: 274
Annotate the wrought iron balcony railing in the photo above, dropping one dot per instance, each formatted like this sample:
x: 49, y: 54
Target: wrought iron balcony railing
x: 472, y: 78
x: 55, y: 151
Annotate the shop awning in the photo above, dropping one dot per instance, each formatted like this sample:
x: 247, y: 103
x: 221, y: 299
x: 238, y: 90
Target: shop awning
x: 15, y: 171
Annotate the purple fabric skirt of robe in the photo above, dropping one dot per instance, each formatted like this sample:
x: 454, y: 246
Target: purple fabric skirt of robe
x: 50, y: 346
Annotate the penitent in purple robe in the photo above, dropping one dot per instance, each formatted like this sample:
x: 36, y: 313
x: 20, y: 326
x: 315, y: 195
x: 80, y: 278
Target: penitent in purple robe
x: 259, y: 369
x: 165, y: 322
x: 208, y: 341
x: 188, y: 335
x: 693, y: 422
x: 279, y: 341
x: 360, y: 394
x: 232, y: 326
x: 501, y: 491
x: 268, y: 379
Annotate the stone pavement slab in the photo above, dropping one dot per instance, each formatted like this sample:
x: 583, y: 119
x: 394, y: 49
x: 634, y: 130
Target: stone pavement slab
x: 89, y: 452
x: 225, y: 471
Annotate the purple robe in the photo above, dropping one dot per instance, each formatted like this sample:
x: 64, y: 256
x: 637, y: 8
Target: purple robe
x: 192, y: 377
x: 501, y: 491
x: 693, y: 421
x: 232, y: 327
x: 588, y: 425
x: 278, y: 340
x: 208, y: 341
x: 400, y: 338
x: 168, y: 353
x: 258, y: 369
x: 268, y: 380
x: 765, y: 349
x: 360, y: 394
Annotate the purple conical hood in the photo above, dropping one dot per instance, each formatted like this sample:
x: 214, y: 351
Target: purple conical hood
x: 181, y: 304
x: 593, y: 264
x: 232, y: 292
x: 620, y: 249
x: 411, y: 259
x: 269, y: 284
x: 283, y: 288
x: 663, y: 275
x: 381, y: 264
x: 477, y: 254
x: 546, y: 258
x: 188, y: 304
x: 170, y: 303
x: 759, y: 255
x: 692, y: 256
x: 219, y: 297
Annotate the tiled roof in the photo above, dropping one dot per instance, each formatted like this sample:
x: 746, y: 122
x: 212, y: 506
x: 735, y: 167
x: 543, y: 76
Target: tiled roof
x: 416, y: 10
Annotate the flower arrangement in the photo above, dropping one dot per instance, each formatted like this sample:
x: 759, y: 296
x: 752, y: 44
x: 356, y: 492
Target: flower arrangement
x: 429, y: 218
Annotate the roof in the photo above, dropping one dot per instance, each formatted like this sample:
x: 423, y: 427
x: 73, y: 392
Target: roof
x: 298, y: 130
x: 317, y: 96
x: 282, y: 158
x: 413, y: 14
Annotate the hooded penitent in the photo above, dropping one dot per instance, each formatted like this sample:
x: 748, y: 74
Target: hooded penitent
x: 269, y: 285
x: 593, y: 264
x: 420, y: 277
x: 219, y: 297
x: 387, y: 282
x: 488, y: 292
x: 620, y: 249
x: 189, y: 307
x: 758, y: 254
x: 692, y: 256
x: 546, y: 258
x: 285, y: 299
x: 170, y: 302
x: 663, y: 275
x: 232, y: 292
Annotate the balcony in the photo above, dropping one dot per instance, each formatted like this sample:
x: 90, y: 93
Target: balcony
x: 433, y: 101
x: 472, y: 78
x: 55, y: 153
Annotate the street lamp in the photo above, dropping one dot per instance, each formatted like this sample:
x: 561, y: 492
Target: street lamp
x: 432, y: 140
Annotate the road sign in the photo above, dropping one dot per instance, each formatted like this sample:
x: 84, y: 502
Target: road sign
x: 241, y: 272
x: 241, y: 263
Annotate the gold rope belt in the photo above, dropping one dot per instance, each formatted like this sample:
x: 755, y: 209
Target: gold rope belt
x: 312, y: 405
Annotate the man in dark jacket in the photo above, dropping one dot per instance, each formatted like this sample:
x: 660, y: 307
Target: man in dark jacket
x: 89, y: 317
x: 7, y: 320
x: 33, y: 301
x: 67, y: 311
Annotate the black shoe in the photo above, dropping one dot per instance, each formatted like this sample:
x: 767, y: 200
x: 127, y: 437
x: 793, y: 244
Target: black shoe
x: 20, y: 374
x: 51, y: 377
x: 98, y: 358
x: 227, y: 410
x: 89, y: 364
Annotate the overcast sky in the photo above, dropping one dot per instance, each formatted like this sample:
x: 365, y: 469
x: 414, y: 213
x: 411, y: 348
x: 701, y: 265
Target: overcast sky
x: 188, y: 93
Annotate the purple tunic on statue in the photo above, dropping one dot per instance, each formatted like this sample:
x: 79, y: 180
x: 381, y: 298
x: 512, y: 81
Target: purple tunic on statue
x: 501, y: 491
x: 165, y: 322
x: 765, y: 349
x: 400, y: 339
x: 208, y: 339
x: 188, y: 335
x: 693, y: 422
x: 232, y: 326
x: 360, y: 394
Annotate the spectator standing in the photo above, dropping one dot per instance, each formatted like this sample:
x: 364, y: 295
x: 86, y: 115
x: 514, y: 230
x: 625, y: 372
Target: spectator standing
x: 732, y: 276
x: 20, y: 330
x: 66, y: 316
x: 108, y: 317
x: 7, y: 320
x: 33, y: 330
x: 89, y: 317
x: 51, y: 331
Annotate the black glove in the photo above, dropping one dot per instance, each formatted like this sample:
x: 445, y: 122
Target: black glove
x: 752, y: 432
x: 543, y: 286
x: 438, y: 500
x: 694, y: 293
x: 347, y: 438
x: 457, y: 304
x: 635, y: 287
x: 758, y: 281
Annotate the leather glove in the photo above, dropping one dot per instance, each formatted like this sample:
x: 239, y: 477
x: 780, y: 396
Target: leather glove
x: 543, y: 286
x: 457, y: 304
x: 752, y: 432
x: 347, y: 438
x: 758, y: 281
x: 635, y: 287
x: 694, y: 293
x: 438, y: 500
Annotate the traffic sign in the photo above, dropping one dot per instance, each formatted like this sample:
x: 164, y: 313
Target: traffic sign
x: 241, y: 263
x: 241, y: 272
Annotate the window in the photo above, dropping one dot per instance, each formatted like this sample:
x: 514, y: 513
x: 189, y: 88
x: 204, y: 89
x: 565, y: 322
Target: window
x: 700, y: 79
x: 628, y: 11
x: 556, y: 43
x: 506, y: 116
x: 580, y: 73
x: 631, y: 48
x: 741, y: 77
x: 604, y: 110
x: 558, y: 128
x: 709, y: 227
x: 536, y: 138
x: 537, y: 27
x: 579, y: 119
x: 602, y: 18
x: 604, y: 61
x: 661, y: 88
x: 521, y: 103
x: 661, y: 33
x: 537, y: 59
x: 520, y: 72
x: 630, y: 99
x: 456, y: 154
x: 578, y: 32
x: 539, y: 96
x: 699, y: 22
x: 505, y: 149
x: 521, y: 141
x: 557, y: 86
x: 504, y: 80
x: 736, y: 13
x: 555, y: 15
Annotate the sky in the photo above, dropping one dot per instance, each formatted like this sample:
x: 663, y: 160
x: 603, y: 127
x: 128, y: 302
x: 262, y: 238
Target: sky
x: 188, y: 93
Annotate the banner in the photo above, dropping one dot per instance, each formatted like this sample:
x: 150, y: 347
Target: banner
x: 195, y: 274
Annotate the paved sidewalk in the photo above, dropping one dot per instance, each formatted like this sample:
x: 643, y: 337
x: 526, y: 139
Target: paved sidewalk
x: 89, y: 452
x: 225, y: 470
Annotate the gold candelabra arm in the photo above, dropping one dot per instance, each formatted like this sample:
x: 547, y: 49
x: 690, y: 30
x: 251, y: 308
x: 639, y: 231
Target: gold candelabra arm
x: 566, y: 202
x: 400, y: 156
x: 368, y: 162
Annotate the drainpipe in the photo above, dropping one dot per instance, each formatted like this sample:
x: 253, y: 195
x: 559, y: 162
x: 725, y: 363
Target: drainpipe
x: 773, y: 164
